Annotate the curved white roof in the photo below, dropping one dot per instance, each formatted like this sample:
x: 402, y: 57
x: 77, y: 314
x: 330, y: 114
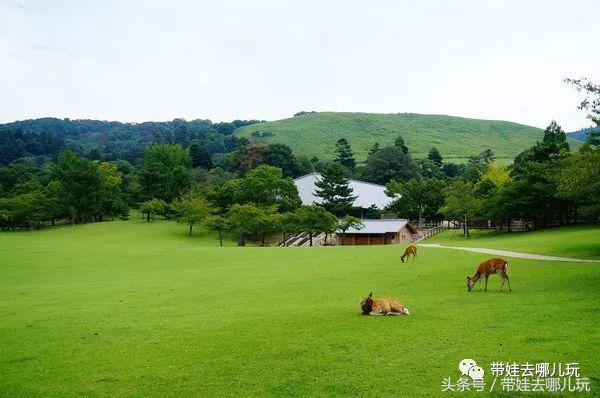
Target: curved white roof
x: 367, y: 194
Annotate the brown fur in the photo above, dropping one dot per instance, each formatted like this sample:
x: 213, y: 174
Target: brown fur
x: 487, y: 268
x: 411, y: 249
x: 382, y: 306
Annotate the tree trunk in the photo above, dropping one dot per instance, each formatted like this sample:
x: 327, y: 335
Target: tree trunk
x: 466, y: 230
x: 310, y: 237
x: 262, y: 241
x: 191, y: 226
x: 326, y: 239
x: 242, y: 241
x: 343, y: 237
x: 53, y: 222
x: 148, y: 217
x: 220, y: 238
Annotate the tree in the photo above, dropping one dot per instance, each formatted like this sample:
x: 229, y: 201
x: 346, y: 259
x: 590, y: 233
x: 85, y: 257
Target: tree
x: 315, y: 220
x: 218, y: 223
x: 435, y: 157
x: 151, y: 207
x: 399, y: 143
x: 263, y: 186
x: 374, y: 148
x: 56, y: 207
x: 288, y: 223
x: 191, y: 210
x: 200, y: 156
x: 553, y: 144
x: 461, y: 203
x: 389, y: 163
x: 82, y: 183
x: 347, y: 222
x: 428, y: 169
x: 344, y: 154
x: 111, y: 199
x: 249, y: 157
x: 591, y: 102
x: 165, y: 172
x: 281, y: 155
x: 250, y: 220
x: 420, y: 198
x: 334, y: 189
x: 579, y: 179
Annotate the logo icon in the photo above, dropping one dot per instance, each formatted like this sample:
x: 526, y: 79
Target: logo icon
x: 469, y: 367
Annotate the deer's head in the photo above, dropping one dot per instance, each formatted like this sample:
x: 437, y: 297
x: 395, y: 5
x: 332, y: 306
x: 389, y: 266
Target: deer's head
x: 470, y: 283
x: 366, y: 305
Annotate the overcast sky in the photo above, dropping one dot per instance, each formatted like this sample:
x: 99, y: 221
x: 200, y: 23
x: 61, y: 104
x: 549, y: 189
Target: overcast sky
x: 142, y: 60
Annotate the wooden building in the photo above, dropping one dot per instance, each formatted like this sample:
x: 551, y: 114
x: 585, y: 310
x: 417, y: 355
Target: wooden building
x: 379, y: 232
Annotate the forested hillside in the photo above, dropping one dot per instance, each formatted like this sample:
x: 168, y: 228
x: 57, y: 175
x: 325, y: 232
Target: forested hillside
x: 96, y: 139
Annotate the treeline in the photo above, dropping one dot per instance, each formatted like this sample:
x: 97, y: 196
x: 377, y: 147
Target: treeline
x: 254, y: 204
x: 546, y: 183
x: 40, y: 140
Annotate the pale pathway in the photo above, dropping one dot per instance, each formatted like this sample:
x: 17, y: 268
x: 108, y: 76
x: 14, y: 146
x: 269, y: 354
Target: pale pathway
x: 507, y: 253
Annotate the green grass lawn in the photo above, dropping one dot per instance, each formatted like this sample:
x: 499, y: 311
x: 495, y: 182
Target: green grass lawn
x: 129, y: 309
x: 456, y: 138
x: 579, y: 241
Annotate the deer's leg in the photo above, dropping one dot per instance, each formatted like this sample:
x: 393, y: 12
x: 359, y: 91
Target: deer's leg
x: 508, y: 280
x: 486, y: 281
x: 503, y: 278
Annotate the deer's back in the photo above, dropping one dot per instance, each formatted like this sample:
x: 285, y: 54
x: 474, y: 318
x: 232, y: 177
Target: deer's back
x: 492, y: 266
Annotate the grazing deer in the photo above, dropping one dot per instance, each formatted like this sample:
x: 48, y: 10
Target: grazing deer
x: 411, y: 249
x: 487, y: 268
x: 373, y: 306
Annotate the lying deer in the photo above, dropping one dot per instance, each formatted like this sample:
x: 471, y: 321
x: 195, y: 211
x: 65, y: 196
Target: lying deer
x: 372, y: 306
x: 411, y: 249
x: 487, y: 268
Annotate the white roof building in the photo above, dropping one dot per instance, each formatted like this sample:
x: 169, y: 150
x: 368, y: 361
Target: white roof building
x: 381, y: 226
x: 367, y: 194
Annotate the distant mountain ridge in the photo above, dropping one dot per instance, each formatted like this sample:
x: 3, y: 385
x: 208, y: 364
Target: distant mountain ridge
x: 581, y: 135
x: 315, y: 134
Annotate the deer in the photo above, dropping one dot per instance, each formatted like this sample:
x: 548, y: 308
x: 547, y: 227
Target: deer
x: 383, y: 306
x: 487, y: 268
x: 411, y: 249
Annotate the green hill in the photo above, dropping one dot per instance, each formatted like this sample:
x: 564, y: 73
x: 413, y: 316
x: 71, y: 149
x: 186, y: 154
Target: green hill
x: 457, y: 138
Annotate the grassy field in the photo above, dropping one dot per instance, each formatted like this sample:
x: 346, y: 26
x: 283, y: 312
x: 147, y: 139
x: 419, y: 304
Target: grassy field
x: 571, y: 241
x: 129, y: 309
x: 455, y: 137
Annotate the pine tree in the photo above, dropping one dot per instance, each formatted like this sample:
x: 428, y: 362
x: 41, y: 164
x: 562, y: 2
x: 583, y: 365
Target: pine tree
x: 435, y: 157
x: 374, y: 148
x: 399, y: 143
x: 334, y: 190
x: 345, y: 156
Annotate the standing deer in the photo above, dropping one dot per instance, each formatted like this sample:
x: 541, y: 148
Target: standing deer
x: 487, y: 268
x: 411, y: 249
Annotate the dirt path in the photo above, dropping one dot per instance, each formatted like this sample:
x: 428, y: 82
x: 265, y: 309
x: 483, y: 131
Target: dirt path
x: 509, y: 253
